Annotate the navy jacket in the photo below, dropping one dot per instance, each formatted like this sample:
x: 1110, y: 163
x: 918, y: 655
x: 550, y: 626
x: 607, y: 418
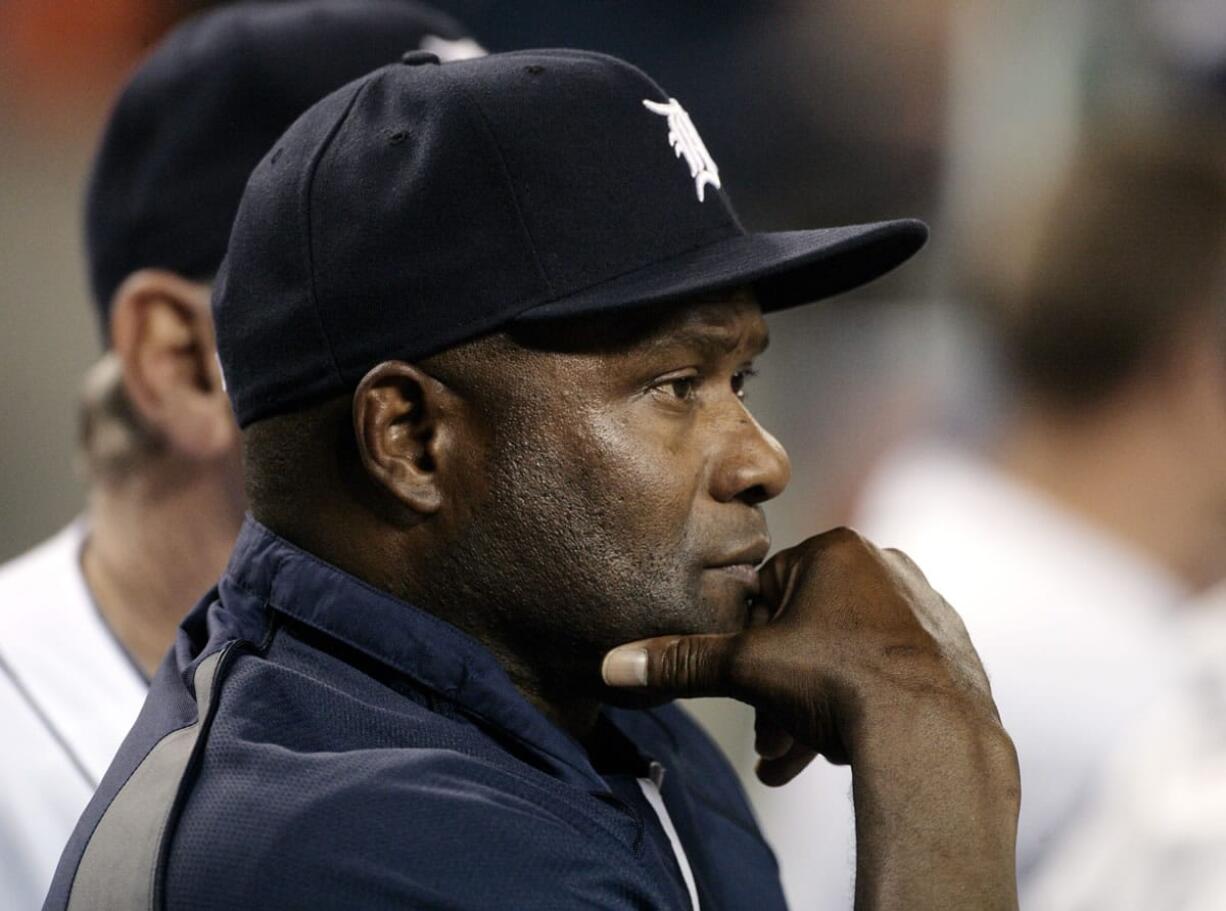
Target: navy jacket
x: 311, y: 742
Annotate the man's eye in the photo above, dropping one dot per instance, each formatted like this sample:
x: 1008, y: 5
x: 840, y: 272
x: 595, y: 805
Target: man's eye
x: 682, y: 387
x: 675, y: 390
x: 739, y: 379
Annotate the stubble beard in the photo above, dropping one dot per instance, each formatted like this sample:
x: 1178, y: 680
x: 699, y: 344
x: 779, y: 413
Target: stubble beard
x: 556, y: 567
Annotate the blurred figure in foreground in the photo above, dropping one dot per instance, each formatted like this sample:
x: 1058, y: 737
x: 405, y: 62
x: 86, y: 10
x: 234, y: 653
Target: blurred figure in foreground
x: 86, y: 617
x: 1072, y: 542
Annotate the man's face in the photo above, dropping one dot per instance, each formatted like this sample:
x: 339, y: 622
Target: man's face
x: 617, y: 492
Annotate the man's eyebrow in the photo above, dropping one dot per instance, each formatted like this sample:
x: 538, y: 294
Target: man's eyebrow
x: 714, y: 341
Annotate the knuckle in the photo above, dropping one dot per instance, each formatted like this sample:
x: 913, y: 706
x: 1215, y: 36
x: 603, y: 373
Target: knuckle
x: 901, y: 555
x: 953, y: 618
x: 844, y: 535
x: 851, y: 541
x: 904, y: 561
x: 842, y: 546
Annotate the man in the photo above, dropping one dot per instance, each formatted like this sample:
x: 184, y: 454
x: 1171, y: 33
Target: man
x: 1075, y: 542
x: 86, y: 617
x: 487, y: 326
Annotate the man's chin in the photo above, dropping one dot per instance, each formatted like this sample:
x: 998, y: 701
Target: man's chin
x: 726, y: 610
x: 721, y: 614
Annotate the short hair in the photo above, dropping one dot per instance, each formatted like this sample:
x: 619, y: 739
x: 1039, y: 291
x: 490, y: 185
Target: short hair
x: 1130, y: 247
x: 287, y: 456
x: 283, y: 455
x: 114, y: 443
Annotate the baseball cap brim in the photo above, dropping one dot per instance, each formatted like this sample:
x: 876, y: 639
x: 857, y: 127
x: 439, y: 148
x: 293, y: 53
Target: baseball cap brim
x: 785, y: 269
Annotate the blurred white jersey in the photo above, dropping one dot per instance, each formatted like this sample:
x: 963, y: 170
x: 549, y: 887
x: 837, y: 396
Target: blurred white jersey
x: 1077, y: 632
x: 68, y: 695
x: 1157, y: 836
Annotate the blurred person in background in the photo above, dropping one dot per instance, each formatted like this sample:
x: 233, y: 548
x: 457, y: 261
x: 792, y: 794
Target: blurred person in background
x: 1155, y: 836
x: 86, y: 616
x: 1074, y: 537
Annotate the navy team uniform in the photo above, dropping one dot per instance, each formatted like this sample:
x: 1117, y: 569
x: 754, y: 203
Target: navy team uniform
x: 311, y: 742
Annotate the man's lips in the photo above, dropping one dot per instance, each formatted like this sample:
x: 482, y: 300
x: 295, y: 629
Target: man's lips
x: 742, y: 564
x: 744, y: 573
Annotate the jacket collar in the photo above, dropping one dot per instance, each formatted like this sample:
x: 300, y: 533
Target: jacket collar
x: 267, y: 572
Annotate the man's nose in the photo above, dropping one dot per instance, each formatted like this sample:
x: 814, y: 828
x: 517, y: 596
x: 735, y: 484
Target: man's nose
x: 754, y: 466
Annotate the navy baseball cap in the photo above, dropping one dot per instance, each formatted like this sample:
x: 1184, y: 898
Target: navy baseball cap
x: 204, y: 107
x: 428, y: 204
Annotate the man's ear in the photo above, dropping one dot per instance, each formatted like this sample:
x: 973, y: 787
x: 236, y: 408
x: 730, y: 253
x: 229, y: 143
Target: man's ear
x: 162, y: 332
x: 407, y: 425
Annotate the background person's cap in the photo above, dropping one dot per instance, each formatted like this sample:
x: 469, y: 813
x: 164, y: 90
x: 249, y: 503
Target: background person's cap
x: 425, y: 205
x: 204, y: 107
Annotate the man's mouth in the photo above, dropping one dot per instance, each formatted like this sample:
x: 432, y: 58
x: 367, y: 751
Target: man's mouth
x: 742, y: 565
x: 746, y: 574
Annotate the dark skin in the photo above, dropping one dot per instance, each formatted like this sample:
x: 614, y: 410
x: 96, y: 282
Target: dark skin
x: 623, y: 468
x: 852, y: 655
x: 558, y: 492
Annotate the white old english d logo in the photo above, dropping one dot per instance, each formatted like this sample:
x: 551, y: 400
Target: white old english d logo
x: 687, y: 143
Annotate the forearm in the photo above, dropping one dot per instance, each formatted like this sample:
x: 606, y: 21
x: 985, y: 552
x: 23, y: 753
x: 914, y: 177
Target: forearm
x: 936, y: 797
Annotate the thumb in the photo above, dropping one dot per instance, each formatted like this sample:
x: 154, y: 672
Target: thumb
x: 677, y: 665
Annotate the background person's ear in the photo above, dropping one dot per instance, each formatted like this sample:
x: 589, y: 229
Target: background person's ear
x: 406, y: 424
x: 162, y: 332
